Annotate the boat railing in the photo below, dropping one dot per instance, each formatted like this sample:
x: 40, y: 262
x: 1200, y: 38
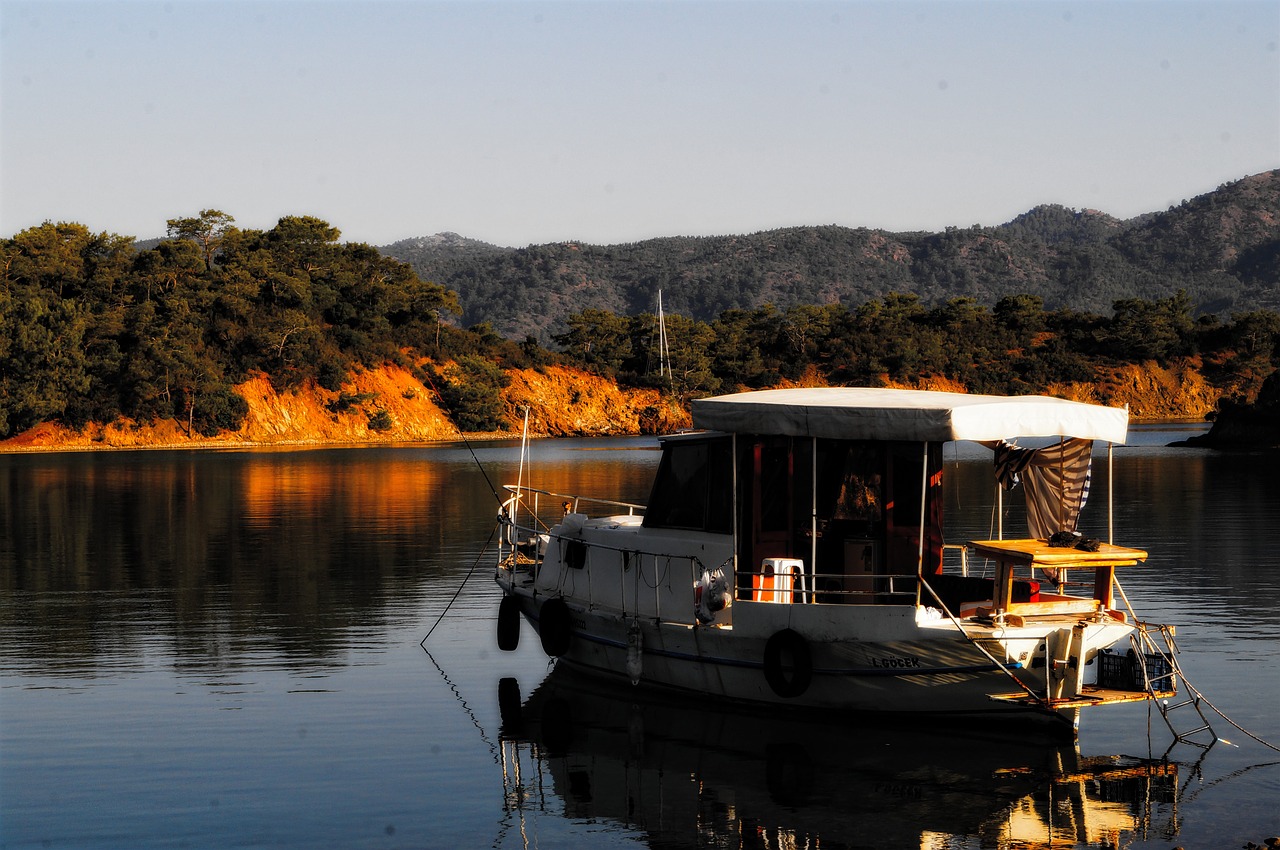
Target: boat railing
x: 536, y: 511
x: 792, y: 583
x: 955, y: 565
x: 642, y: 582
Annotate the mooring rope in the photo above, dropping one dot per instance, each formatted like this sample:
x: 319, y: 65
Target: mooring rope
x: 1001, y: 666
x: 1235, y: 774
x: 458, y: 592
x: 493, y: 749
x: 1200, y: 696
x: 1172, y: 654
x: 465, y: 441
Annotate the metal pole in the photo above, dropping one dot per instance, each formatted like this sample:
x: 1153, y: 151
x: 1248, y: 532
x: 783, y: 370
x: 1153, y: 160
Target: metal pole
x: 999, y: 512
x: 924, y: 498
x: 1111, y: 501
x: 733, y: 451
x: 813, y: 520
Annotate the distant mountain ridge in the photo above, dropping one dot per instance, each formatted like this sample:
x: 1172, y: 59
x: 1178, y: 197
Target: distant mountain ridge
x: 1222, y: 248
x: 444, y: 243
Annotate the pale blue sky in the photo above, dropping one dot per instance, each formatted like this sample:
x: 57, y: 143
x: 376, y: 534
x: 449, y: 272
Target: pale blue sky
x: 530, y: 122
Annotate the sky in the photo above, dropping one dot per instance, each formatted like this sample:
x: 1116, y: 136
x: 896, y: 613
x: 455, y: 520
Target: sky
x: 521, y: 123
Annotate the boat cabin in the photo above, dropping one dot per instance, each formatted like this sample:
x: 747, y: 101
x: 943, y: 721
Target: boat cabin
x: 834, y: 495
x: 815, y: 519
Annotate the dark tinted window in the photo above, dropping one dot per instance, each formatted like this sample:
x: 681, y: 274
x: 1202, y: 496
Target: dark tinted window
x: 693, y: 487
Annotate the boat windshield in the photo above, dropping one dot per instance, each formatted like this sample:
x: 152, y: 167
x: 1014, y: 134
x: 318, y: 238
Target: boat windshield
x: 693, y: 487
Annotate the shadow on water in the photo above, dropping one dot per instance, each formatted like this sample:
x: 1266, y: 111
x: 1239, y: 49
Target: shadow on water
x: 686, y: 776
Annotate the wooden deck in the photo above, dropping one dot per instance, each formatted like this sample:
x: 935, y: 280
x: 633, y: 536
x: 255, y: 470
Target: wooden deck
x: 1091, y: 696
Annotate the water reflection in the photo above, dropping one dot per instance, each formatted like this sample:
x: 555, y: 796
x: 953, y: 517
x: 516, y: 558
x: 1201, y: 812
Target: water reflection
x: 686, y: 775
x: 228, y: 553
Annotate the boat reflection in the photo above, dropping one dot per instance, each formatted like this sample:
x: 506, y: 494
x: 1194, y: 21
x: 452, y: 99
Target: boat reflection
x: 684, y: 774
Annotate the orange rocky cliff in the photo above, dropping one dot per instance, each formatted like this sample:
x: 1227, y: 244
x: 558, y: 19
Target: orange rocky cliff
x: 561, y: 402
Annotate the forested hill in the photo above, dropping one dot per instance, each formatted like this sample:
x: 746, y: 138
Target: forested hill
x: 1221, y: 248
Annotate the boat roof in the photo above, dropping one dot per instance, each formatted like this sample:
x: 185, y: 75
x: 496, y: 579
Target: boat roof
x: 865, y: 413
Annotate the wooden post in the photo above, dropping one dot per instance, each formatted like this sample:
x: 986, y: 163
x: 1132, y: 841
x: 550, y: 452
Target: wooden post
x: 1104, y: 584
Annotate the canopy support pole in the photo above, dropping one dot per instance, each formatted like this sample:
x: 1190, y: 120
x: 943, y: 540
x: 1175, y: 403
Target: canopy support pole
x: 999, y: 512
x: 1111, y: 500
x: 733, y: 453
x: 924, y: 499
x: 813, y: 519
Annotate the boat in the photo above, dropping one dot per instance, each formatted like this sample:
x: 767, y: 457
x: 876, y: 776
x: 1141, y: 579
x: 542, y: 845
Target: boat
x: 792, y: 556
x: 661, y: 766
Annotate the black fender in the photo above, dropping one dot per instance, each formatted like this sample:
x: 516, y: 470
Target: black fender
x: 788, y: 663
x: 508, y: 624
x: 510, y: 706
x: 555, y: 627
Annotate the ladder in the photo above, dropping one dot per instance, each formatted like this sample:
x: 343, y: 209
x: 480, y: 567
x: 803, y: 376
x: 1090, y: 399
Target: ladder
x: 1157, y: 663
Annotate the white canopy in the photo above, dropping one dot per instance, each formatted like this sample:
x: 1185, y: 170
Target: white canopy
x: 861, y: 413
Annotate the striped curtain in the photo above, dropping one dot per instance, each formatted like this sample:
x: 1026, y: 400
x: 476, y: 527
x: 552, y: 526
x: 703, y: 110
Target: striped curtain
x: 1056, y: 478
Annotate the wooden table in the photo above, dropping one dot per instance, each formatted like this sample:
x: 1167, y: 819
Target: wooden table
x: 1009, y: 554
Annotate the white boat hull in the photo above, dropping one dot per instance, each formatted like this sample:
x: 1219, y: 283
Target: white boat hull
x: 926, y: 669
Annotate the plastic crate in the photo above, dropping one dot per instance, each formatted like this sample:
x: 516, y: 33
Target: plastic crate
x: 1159, y: 673
x: 1115, y: 672
x: 1124, y: 672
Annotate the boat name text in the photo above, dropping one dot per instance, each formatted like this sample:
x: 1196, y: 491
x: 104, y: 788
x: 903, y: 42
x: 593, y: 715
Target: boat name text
x: 896, y: 661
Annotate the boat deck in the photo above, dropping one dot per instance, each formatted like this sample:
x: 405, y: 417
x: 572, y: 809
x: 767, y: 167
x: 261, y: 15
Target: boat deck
x: 1090, y: 696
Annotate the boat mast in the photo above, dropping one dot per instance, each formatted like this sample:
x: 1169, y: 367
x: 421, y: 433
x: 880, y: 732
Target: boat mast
x: 664, y: 356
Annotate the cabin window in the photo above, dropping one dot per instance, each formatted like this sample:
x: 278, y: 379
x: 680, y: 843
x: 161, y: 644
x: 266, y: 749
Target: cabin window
x: 906, y: 490
x: 775, y: 486
x: 693, y: 487
x: 850, y: 484
x: 856, y: 527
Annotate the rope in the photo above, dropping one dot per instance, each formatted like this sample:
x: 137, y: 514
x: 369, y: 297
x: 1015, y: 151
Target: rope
x: 1235, y: 774
x: 492, y: 489
x: 465, y: 441
x: 1200, y: 696
x: 493, y: 750
x: 1002, y: 667
x: 458, y: 592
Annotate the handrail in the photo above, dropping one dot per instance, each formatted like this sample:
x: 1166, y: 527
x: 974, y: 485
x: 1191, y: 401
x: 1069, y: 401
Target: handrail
x: 964, y: 555
x: 630, y: 550
x: 518, y: 490
x: 803, y: 588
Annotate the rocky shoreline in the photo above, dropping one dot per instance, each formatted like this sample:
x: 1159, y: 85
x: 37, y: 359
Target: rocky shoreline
x: 566, y: 402
x: 1245, y: 427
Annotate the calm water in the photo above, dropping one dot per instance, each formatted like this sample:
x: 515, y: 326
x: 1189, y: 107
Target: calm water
x: 221, y: 649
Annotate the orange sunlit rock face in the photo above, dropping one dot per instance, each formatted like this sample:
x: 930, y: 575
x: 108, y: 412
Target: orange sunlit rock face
x: 560, y: 402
